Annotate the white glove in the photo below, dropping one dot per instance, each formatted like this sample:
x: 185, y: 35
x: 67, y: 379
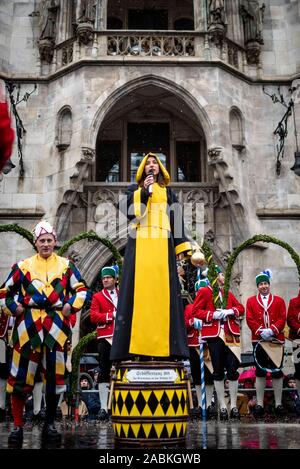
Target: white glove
x: 227, y: 312
x: 266, y: 334
x: 197, y: 323
x: 218, y: 315
x: 114, y: 314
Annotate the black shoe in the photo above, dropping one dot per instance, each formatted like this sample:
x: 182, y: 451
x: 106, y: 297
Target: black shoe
x: 37, y: 418
x: 211, y: 412
x: 258, y: 411
x: 195, y: 413
x: 103, y: 415
x: 16, y: 435
x: 223, y: 414
x: 279, y: 411
x: 234, y: 413
x: 50, y: 433
x: 2, y: 415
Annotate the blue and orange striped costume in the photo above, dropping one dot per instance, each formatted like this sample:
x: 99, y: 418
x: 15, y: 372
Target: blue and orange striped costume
x: 42, y: 286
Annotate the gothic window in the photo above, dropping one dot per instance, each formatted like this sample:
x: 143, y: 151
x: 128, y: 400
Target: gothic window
x: 236, y: 129
x: 108, y: 166
x: 148, y: 19
x: 114, y: 23
x: 184, y: 24
x: 64, y: 128
x: 188, y: 161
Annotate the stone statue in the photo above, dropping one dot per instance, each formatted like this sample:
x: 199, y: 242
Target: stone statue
x: 216, y: 12
x: 87, y: 11
x: 252, y: 15
x: 48, y: 13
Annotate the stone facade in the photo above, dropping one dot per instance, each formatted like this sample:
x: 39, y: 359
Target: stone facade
x: 205, y: 83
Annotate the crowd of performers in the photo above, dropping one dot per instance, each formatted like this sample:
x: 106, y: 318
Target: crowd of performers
x: 43, y: 294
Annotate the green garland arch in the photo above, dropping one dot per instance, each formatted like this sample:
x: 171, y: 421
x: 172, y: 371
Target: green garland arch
x: 249, y: 242
x: 94, y: 237
x: 19, y: 230
x: 76, y: 355
x: 212, y: 273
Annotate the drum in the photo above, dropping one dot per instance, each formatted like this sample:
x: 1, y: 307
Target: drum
x: 150, y: 403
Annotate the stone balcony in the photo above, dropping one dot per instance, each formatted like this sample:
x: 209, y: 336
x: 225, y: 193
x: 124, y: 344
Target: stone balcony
x: 159, y: 46
x: 197, y: 199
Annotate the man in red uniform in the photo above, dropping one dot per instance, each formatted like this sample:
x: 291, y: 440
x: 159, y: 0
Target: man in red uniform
x: 222, y: 332
x: 293, y: 321
x: 193, y: 343
x: 266, y: 316
x: 103, y: 313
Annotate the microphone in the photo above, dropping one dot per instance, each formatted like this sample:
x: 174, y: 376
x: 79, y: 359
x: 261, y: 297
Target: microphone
x: 150, y: 187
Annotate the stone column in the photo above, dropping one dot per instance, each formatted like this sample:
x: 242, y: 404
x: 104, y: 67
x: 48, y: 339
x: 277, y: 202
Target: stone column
x: 234, y: 26
x: 64, y: 21
x: 200, y: 15
x: 101, y: 15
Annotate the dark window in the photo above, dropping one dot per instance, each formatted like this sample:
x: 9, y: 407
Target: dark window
x: 108, y: 161
x: 188, y: 162
x: 114, y: 23
x: 148, y: 19
x: 144, y: 138
x: 184, y: 24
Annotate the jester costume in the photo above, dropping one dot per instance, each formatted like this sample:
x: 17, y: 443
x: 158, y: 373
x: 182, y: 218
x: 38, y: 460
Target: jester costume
x: 150, y: 317
x: 42, y: 286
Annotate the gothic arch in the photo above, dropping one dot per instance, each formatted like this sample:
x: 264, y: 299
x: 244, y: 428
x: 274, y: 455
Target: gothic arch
x: 120, y: 91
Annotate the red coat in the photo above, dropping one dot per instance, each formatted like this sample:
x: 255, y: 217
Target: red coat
x: 102, y: 313
x: 273, y: 318
x: 203, y: 308
x: 293, y: 318
x: 192, y: 333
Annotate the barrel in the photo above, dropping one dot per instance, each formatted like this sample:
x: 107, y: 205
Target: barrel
x: 150, y: 403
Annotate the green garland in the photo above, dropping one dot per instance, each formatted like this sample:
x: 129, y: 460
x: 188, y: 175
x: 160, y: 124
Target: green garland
x: 19, y: 230
x: 94, y: 237
x: 76, y: 355
x: 249, y: 242
x: 212, y: 274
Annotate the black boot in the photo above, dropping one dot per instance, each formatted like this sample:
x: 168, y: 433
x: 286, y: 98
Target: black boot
x: 235, y: 414
x: 223, y: 414
x: 16, y: 435
x: 50, y: 433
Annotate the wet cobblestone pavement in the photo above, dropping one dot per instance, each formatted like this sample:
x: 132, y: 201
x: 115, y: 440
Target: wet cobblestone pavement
x: 269, y: 433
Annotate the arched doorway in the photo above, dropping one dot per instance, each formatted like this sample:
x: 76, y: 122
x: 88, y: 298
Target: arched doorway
x: 150, y: 118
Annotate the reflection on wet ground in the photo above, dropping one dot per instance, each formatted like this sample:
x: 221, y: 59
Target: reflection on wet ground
x: 245, y: 434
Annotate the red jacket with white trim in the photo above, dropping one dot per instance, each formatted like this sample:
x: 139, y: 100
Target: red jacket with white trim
x: 102, y: 313
x: 203, y: 308
x: 192, y: 333
x: 274, y: 317
x: 293, y: 318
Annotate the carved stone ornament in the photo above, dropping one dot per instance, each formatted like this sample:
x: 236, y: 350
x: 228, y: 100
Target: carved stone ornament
x: 216, y: 33
x: 46, y: 49
x: 214, y: 155
x: 253, y: 49
x: 85, y: 33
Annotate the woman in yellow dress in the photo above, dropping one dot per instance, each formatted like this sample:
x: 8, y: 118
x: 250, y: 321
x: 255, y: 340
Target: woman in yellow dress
x: 150, y: 318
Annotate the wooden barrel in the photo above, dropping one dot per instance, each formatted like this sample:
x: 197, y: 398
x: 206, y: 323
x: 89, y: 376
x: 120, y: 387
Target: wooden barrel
x: 150, y: 403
